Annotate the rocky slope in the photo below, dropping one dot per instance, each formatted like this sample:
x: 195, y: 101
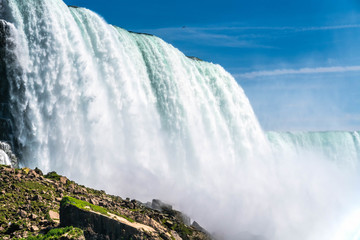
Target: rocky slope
x: 30, y: 207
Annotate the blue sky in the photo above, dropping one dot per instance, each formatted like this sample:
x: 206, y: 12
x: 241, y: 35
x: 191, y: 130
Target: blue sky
x: 298, y: 61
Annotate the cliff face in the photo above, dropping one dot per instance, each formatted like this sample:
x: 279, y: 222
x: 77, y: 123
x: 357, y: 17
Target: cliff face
x: 30, y: 205
x: 6, y: 123
x: 101, y: 226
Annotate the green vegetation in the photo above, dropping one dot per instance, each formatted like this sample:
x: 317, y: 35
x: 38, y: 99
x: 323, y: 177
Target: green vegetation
x: 182, y: 229
x: 56, y: 233
x: 123, y: 216
x: 53, y: 175
x: 88, y: 206
x: 26, y: 198
x: 83, y: 205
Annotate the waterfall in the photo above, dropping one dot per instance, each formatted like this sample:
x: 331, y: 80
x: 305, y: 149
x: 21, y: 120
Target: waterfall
x: 131, y: 114
x: 340, y: 147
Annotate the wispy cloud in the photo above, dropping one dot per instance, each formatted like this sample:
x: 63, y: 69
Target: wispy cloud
x: 246, y: 28
x: 206, y: 36
x: 278, y: 28
x: 335, y: 27
x: 277, y: 72
x: 234, y: 36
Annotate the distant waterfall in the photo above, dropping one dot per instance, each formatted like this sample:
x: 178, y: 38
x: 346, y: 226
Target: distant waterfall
x: 131, y: 114
x: 340, y: 147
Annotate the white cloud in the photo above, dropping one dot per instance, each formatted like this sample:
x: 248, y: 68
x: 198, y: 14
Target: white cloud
x: 205, y: 36
x: 330, y: 27
x: 277, y: 72
x: 250, y: 28
x: 235, y: 36
x: 312, y: 28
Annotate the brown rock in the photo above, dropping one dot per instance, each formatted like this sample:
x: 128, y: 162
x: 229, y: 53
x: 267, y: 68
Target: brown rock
x: 63, y: 180
x: 94, y: 201
x: 33, y: 216
x: 33, y: 174
x: 37, y: 198
x: 54, y: 216
x: 22, y: 213
x: 9, y: 170
x: 71, y: 188
x: 34, y: 228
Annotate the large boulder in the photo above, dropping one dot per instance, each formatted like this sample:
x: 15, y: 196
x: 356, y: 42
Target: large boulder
x: 97, y: 223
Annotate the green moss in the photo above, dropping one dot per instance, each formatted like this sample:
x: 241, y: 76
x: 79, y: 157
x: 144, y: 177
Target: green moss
x: 182, y: 229
x: 32, y: 185
x: 127, y: 218
x: 136, y: 210
x: 86, y: 206
x: 26, y: 170
x: 56, y: 233
x: 83, y: 205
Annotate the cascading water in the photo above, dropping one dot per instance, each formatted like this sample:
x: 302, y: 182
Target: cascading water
x: 131, y: 114
x: 340, y: 147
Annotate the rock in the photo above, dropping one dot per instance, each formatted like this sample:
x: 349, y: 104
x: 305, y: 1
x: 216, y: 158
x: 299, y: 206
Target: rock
x: 198, y: 227
x: 77, y: 191
x: 38, y: 171
x: 169, y: 223
x: 97, y: 226
x: 18, y: 176
x: 94, y: 201
x: 33, y: 216
x: 34, y: 228
x: 37, y: 198
x: 71, y: 188
x: 22, y: 213
x: 12, y: 228
x: 195, y: 58
x: 63, y: 180
x: 9, y: 170
x: 33, y: 174
x: 54, y: 216
x: 160, y: 206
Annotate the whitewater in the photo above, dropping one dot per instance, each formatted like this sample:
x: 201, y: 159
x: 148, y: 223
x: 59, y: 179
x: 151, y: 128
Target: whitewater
x: 131, y: 114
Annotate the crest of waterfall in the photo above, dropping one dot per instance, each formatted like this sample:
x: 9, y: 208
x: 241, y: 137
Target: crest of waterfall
x: 133, y: 115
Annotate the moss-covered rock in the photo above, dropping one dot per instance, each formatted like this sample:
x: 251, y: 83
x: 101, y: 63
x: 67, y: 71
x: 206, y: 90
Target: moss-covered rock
x: 29, y: 201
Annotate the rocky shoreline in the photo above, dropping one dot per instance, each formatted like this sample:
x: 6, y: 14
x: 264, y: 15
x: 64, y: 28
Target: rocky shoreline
x: 32, y: 205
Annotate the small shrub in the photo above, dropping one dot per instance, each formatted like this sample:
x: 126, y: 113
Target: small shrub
x: 57, y: 233
x: 53, y: 175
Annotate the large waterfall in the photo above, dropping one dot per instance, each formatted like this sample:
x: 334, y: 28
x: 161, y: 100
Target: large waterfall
x: 129, y: 113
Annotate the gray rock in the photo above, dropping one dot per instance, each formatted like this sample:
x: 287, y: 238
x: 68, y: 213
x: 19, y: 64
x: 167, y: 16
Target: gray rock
x: 96, y: 226
x: 160, y: 206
